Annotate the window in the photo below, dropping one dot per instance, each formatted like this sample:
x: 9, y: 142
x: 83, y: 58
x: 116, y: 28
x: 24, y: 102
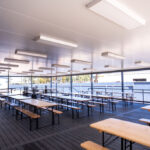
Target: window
x: 81, y: 84
x: 63, y: 84
x: 109, y: 84
x: 138, y: 83
x: 19, y: 82
x: 3, y: 82
x: 41, y: 82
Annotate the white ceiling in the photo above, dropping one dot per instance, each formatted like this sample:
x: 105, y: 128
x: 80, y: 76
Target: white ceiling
x: 21, y: 21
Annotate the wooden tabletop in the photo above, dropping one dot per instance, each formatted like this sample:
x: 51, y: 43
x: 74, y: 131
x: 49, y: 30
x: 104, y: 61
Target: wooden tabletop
x: 78, y: 99
x: 146, y: 107
x: 128, y: 130
x: 39, y: 103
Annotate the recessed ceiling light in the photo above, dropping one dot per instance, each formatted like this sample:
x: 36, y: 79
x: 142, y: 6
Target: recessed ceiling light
x: 30, y: 53
x: 46, y: 68
x: 80, y: 61
x: 22, y: 61
x: 112, y: 55
x: 52, y: 40
x: 8, y: 65
x: 116, y: 12
x: 60, y: 66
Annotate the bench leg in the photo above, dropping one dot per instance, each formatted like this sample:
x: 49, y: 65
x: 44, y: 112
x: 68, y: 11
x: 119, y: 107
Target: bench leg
x: 30, y: 124
x: 58, y: 119
x: 21, y: 115
x: 100, y: 108
x: 103, y: 108
x: 16, y: 114
x: 88, y: 111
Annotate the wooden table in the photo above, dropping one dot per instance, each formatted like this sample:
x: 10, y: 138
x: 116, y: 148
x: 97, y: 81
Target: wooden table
x: 8, y: 94
x: 39, y: 104
x: 19, y: 97
x: 126, y: 130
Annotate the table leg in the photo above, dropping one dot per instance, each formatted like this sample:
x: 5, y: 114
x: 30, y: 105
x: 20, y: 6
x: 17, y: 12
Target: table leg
x: 130, y: 145
x: 122, y: 145
x: 103, y: 139
x: 53, y: 119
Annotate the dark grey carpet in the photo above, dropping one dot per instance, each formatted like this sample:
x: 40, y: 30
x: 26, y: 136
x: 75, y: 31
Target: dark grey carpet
x: 15, y: 135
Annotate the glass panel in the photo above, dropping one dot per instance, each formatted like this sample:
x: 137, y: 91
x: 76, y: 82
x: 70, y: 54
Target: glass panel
x: 138, y: 83
x: 81, y: 84
x: 41, y: 82
x: 63, y: 84
x: 107, y: 84
x: 19, y: 82
x: 3, y: 84
x: 54, y: 84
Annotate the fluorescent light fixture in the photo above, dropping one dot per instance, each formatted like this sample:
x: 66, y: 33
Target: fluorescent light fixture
x: 117, y: 12
x: 8, y: 65
x: 110, y: 67
x: 46, y: 68
x: 6, y: 68
x: 89, y: 69
x: 51, y: 40
x: 112, y: 55
x: 30, y: 53
x: 61, y: 72
x: 22, y: 61
x: 34, y: 70
x: 73, y: 71
x: 142, y: 63
x: 80, y: 61
x: 60, y: 66
x: 27, y: 72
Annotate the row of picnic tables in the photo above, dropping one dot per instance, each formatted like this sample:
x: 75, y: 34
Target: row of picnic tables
x: 36, y: 103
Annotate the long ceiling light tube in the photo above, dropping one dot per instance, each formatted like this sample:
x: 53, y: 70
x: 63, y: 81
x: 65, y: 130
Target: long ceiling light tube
x: 116, y: 12
x: 110, y: 67
x: 46, y: 68
x: 30, y: 53
x: 22, y: 61
x: 112, y: 55
x: 49, y: 40
x: 142, y: 63
x: 34, y: 70
x: 8, y: 65
x: 80, y: 61
x: 60, y: 66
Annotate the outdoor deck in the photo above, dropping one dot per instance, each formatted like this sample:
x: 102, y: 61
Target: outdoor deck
x: 14, y: 135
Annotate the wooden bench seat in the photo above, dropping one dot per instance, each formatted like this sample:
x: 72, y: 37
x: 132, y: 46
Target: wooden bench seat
x: 89, y: 145
x: 72, y: 108
x: 90, y: 106
x: 147, y: 121
x: 28, y: 113
x: 113, y: 104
